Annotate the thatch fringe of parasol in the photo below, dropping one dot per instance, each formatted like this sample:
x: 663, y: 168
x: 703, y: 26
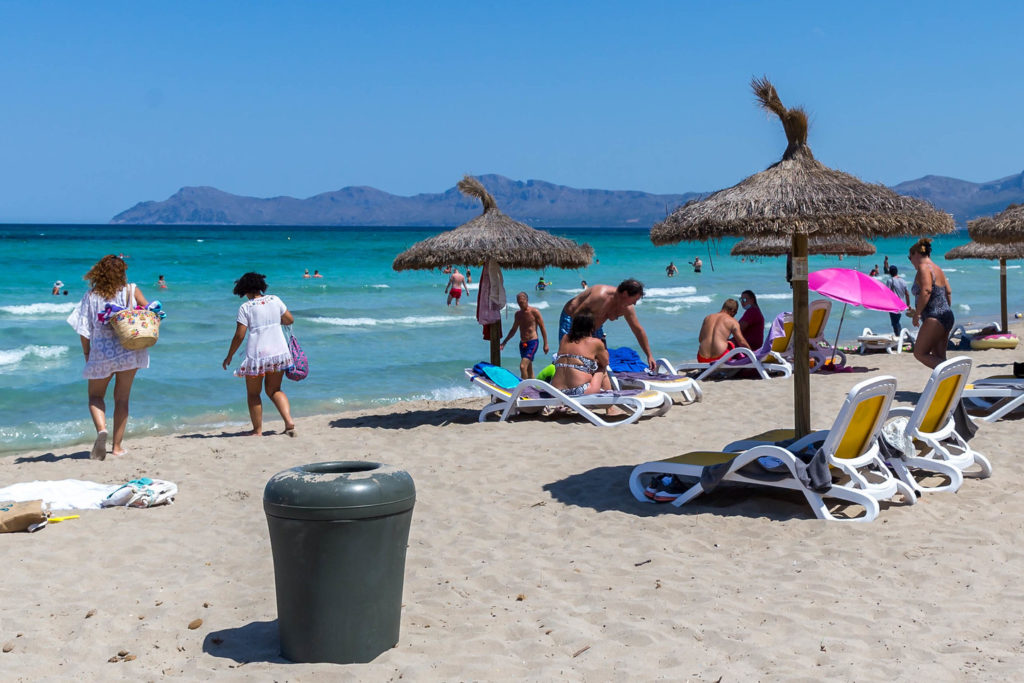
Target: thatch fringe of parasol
x: 799, y: 194
x: 493, y: 236
x: 991, y: 251
x: 1005, y: 226
x: 831, y: 245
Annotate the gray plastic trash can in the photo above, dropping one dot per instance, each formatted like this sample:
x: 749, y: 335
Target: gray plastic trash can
x: 338, y: 533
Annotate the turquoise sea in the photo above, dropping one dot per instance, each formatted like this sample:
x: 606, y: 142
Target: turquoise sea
x: 373, y: 336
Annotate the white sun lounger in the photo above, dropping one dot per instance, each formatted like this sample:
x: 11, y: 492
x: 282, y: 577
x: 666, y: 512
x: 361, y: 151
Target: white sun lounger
x: 890, y: 343
x: 997, y: 396
x: 930, y: 424
x: 534, y: 393
x: 732, y: 362
x: 850, y: 448
x: 670, y: 383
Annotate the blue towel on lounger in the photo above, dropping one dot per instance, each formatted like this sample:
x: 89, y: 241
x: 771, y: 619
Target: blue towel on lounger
x: 625, y: 359
x: 497, y: 374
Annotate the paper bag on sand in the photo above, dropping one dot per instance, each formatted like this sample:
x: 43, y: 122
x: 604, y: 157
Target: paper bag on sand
x: 21, y: 516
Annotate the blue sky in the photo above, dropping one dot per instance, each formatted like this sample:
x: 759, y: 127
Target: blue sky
x: 106, y: 104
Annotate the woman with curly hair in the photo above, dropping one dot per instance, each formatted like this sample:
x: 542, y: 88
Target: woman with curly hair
x: 267, y: 355
x: 932, y: 309
x: 105, y: 358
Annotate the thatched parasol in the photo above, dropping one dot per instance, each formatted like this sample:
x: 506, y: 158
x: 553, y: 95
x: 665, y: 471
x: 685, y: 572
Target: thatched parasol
x: 796, y: 197
x: 829, y: 245
x: 992, y: 252
x: 493, y: 236
x: 1006, y: 226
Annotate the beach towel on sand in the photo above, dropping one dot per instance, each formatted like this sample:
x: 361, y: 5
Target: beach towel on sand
x: 76, y: 494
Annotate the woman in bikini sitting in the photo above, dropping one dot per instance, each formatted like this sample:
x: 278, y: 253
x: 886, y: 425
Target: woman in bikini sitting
x: 932, y: 310
x: 582, y: 360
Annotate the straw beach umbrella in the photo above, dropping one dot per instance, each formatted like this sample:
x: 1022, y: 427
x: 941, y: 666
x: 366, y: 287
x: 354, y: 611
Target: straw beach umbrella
x: 1006, y: 226
x: 794, y: 198
x: 992, y: 252
x: 825, y: 245
x: 493, y: 237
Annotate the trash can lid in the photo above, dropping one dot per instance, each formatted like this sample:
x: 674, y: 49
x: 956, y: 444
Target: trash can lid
x: 339, y: 490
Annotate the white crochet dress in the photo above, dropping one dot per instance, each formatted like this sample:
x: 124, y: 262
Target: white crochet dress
x: 266, y: 349
x: 106, y: 355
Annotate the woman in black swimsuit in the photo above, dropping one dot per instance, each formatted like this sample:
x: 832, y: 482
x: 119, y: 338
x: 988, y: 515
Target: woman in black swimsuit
x: 582, y: 360
x: 932, y: 310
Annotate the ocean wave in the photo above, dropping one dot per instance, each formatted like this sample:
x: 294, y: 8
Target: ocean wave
x: 662, y: 292
x: 15, y: 356
x: 372, y: 322
x: 964, y: 308
x: 1008, y: 267
x: 787, y: 296
x: 541, y: 305
x: 668, y: 309
x: 699, y: 299
x: 39, y: 309
x: 449, y: 393
x: 379, y: 286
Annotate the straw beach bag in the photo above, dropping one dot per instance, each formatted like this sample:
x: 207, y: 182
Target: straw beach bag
x: 135, y: 328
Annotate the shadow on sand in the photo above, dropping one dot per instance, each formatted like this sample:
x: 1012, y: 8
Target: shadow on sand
x: 410, y: 419
x: 52, y: 457
x: 607, y: 488
x: 255, y: 642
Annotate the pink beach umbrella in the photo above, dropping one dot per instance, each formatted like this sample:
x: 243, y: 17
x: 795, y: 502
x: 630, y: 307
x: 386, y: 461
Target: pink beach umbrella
x: 856, y: 288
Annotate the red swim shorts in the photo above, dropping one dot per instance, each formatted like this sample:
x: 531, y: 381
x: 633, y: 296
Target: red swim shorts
x: 729, y: 346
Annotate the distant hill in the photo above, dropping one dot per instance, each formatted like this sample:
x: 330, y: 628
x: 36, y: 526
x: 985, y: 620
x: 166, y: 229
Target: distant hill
x: 963, y: 199
x: 534, y: 201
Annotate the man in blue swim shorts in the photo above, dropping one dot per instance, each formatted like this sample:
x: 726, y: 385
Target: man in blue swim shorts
x: 527, y: 320
x: 605, y: 302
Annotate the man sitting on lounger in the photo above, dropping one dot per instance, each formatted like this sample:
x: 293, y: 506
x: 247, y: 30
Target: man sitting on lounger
x: 715, y: 332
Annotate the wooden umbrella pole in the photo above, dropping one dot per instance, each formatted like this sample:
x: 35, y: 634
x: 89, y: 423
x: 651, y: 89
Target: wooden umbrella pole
x: 801, y: 342
x: 1002, y: 293
x: 495, y: 329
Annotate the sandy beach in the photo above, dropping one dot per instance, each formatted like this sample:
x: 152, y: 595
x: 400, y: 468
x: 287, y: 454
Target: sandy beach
x: 529, y: 559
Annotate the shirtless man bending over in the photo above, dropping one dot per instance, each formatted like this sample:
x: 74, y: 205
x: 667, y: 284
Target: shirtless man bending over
x: 455, y: 285
x: 527, y: 320
x: 605, y: 302
x: 715, y: 333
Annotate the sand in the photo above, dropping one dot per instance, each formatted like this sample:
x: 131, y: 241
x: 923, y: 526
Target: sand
x: 529, y: 559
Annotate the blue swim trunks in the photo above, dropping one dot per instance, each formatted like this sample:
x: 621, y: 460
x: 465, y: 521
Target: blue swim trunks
x: 528, y: 349
x: 565, y: 324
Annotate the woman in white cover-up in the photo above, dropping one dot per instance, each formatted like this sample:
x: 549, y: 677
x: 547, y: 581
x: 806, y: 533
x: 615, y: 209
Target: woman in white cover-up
x: 105, y: 358
x: 267, y: 355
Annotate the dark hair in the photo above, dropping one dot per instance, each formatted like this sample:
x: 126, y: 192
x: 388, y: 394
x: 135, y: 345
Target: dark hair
x: 923, y: 247
x: 631, y: 287
x: 250, y: 282
x: 751, y: 297
x: 582, y: 327
x: 893, y: 270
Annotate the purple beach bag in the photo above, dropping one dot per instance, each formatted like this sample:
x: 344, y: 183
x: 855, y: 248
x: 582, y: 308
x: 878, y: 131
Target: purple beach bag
x: 300, y: 366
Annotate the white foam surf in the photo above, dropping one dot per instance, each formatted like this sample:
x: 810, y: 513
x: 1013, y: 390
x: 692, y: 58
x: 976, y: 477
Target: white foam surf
x: 372, y: 322
x: 10, y: 357
x: 662, y: 292
x: 40, y: 308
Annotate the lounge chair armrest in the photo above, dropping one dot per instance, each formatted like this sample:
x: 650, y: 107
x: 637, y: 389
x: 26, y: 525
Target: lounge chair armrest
x: 900, y: 411
x: 663, y: 364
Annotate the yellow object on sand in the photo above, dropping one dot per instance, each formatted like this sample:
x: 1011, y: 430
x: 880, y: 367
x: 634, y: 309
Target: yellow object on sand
x: 54, y: 520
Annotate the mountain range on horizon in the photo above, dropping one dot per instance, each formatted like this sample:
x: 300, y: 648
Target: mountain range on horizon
x: 535, y: 202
